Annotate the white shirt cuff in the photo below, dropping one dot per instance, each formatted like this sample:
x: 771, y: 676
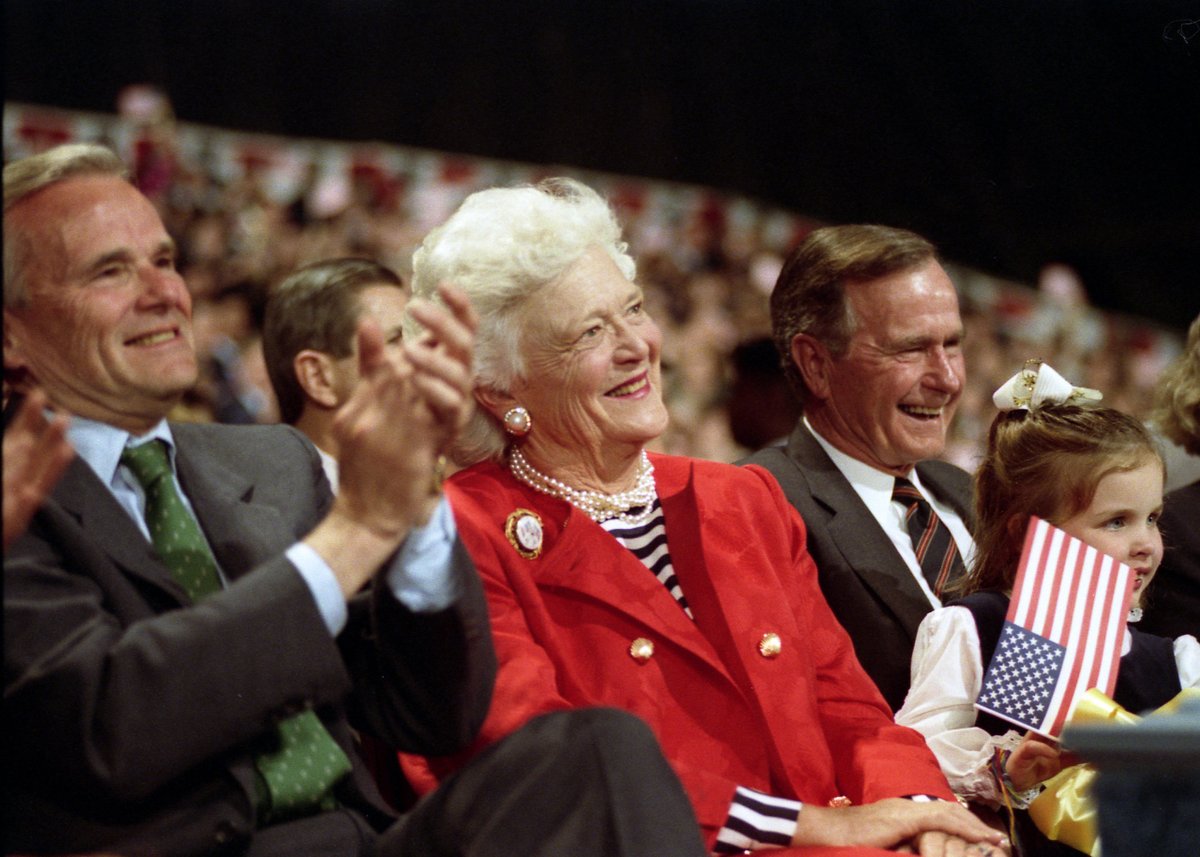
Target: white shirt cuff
x: 419, y: 576
x: 322, y: 583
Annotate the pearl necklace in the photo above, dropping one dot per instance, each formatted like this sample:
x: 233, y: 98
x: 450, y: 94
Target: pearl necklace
x: 597, y: 505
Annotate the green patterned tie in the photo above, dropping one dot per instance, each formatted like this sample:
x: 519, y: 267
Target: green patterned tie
x: 300, y: 774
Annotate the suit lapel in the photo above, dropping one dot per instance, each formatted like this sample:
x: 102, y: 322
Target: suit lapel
x: 81, y: 493
x: 242, y: 533
x: 733, y: 605
x: 867, y: 550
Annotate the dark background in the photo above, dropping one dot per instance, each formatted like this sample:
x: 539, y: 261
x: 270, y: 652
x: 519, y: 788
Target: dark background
x: 1011, y: 133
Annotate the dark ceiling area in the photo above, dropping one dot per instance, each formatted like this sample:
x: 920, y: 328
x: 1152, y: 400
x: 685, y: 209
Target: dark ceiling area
x: 1011, y: 133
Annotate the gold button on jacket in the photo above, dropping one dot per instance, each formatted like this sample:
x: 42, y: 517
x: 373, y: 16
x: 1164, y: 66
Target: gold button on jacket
x: 770, y: 645
x: 641, y: 650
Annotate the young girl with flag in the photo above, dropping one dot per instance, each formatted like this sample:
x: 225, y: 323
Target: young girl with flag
x: 1096, y: 474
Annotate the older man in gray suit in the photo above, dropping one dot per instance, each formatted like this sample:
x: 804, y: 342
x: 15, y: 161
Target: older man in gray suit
x: 192, y: 623
x: 867, y: 325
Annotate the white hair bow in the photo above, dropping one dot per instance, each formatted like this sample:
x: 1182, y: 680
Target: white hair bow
x: 1037, y: 384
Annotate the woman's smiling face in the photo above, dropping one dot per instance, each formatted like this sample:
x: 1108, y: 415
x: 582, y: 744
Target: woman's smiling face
x: 592, y: 376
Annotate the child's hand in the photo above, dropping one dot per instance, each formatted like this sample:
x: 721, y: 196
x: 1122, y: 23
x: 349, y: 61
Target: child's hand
x: 1035, y: 760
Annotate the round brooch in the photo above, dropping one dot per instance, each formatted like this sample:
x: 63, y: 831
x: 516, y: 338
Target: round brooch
x: 523, y: 529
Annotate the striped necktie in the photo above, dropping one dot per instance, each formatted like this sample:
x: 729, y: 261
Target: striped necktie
x: 936, y: 551
x: 298, y: 774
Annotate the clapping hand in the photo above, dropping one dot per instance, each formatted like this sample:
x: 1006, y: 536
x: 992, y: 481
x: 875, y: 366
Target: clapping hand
x: 441, y: 357
x: 36, y: 453
x: 404, y: 412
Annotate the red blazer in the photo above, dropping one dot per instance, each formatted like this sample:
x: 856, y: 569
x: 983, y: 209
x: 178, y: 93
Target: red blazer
x: 804, y: 724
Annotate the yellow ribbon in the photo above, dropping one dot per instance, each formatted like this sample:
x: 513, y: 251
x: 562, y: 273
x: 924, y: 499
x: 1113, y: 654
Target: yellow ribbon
x: 1064, y: 811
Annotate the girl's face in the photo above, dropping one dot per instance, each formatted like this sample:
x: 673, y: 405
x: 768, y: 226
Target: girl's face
x: 1122, y: 521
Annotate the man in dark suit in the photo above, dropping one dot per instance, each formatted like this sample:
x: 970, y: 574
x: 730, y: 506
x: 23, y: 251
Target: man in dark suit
x: 866, y: 322
x: 193, y: 624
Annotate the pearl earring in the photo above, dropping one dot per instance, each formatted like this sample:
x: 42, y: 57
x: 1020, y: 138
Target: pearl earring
x: 517, y: 421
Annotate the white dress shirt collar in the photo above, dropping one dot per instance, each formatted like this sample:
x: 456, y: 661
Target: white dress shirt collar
x: 101, y: 444
x: 874, y: 487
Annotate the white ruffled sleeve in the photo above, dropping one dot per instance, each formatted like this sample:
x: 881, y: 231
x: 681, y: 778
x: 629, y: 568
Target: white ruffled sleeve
x: 947, y: 673
x: 1187, y: 659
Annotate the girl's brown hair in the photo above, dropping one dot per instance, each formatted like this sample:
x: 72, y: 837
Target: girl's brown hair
x: 1046, y: 461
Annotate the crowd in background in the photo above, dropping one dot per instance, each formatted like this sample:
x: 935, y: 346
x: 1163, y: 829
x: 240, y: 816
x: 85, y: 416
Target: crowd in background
x: 248, y: 209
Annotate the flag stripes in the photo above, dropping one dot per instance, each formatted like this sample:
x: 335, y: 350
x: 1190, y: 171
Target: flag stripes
x: 1070, y: 599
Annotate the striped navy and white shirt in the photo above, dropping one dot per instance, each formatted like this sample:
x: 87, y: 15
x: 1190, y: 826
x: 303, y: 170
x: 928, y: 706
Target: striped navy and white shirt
x: 648, y: 542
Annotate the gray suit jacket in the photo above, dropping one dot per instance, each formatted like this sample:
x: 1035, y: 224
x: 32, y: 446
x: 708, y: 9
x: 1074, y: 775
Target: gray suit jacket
x: 865, y: 580
x: 132, y: 716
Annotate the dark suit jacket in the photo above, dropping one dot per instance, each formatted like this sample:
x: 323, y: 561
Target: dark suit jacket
x: 1174, y: 594
x: 864, y: 578
x: 132, y: 717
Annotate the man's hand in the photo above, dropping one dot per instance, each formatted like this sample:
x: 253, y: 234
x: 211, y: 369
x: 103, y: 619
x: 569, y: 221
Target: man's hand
x: 388, y: 440
x: 933, y: 829
x: 441, y: 359
x: 36, y: 453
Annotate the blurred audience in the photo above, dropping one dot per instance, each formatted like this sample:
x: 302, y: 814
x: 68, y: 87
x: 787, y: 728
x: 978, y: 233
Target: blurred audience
x: 248, y: 210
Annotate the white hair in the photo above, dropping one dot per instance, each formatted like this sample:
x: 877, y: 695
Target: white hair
x: 500, y: 247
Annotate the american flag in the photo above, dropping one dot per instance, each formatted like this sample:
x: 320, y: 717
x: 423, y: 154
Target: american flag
x: 1062, y: 634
